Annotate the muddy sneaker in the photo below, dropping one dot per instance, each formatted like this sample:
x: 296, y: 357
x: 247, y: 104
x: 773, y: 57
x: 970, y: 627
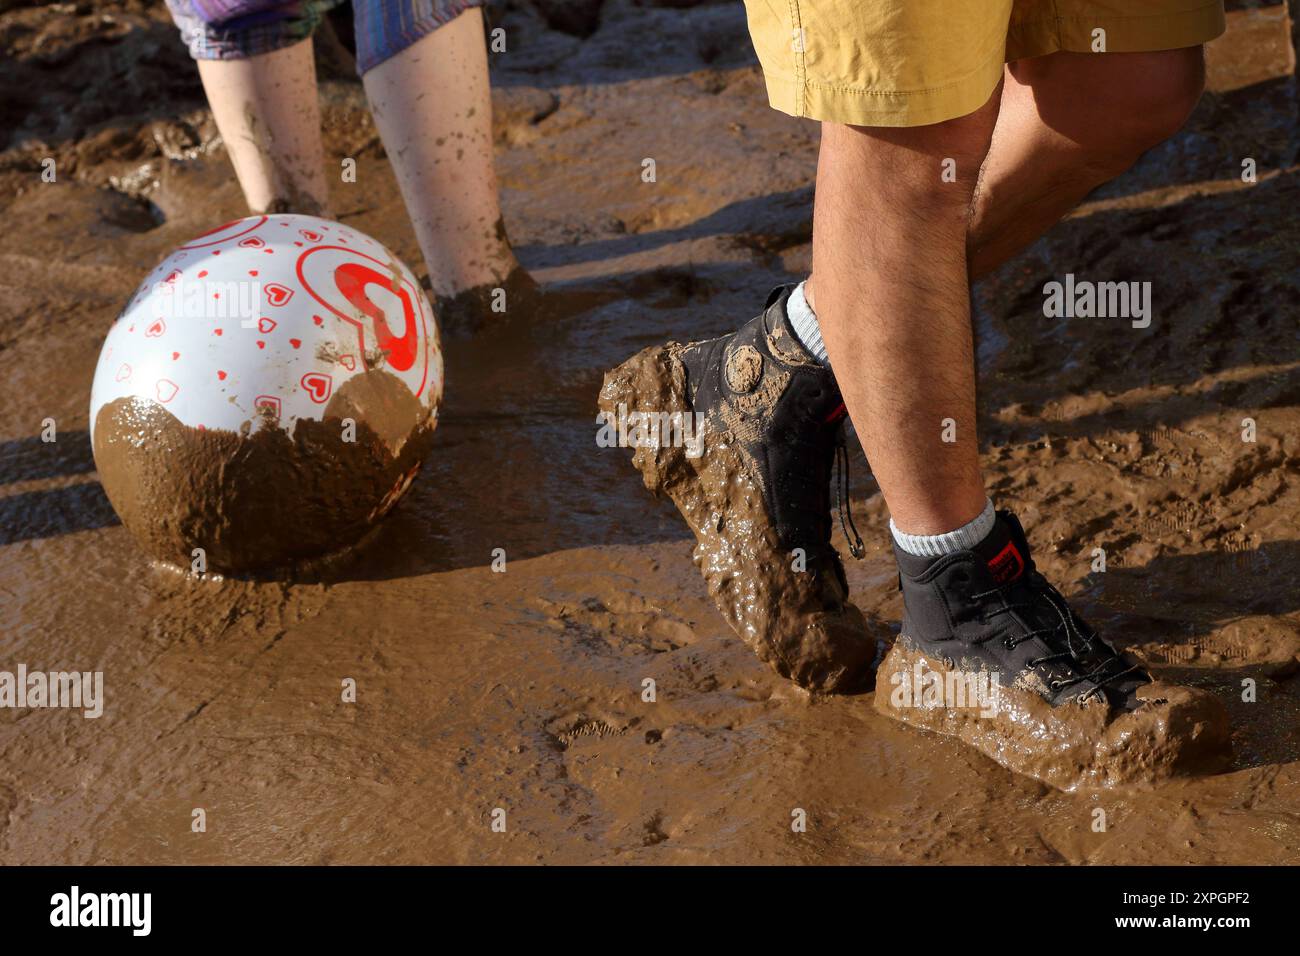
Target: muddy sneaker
x: 992, y: 654
x: 741, y: 432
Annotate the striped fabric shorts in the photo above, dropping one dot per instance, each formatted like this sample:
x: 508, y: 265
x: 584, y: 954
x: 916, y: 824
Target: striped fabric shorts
x: 384, y: 28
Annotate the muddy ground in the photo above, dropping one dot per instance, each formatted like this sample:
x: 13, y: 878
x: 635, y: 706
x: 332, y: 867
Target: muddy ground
x: 522, y: 690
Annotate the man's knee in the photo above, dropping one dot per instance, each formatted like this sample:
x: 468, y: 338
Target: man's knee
x: 960, y: 146
x: 1122, y: 104
x: 1150, y: 111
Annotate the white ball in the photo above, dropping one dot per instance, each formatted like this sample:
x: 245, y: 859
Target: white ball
x: 275, y: 349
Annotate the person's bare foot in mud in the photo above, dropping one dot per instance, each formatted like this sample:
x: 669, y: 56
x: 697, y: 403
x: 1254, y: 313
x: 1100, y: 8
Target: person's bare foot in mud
x: 492, y: 304
x: 441, y: 150
x: 761, y: 424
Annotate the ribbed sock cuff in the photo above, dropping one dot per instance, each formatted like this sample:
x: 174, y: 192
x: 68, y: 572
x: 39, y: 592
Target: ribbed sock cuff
x: 937, y: 545
x: 804, y: 322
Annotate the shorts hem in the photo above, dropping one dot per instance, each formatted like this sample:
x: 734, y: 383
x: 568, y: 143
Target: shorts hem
x: 800, y: 95
x: 1137, y: 34
x: 416, y: 31
x: 859, y: 107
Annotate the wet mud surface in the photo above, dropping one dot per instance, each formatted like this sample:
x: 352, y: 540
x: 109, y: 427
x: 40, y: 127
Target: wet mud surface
x: 523, y: 690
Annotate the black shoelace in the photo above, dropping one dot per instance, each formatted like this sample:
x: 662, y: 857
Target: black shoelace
x: 856, y: 547
x: 1074, y: 653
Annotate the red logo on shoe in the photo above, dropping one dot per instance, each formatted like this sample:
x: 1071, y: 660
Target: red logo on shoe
x: 1007, y: 565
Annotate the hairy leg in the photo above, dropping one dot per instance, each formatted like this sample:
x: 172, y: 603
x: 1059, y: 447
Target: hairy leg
x: 433, y: 108
x: 891, y: 291
x: 892, y: 277
x: 269, y: 117
x: 1068, y: 123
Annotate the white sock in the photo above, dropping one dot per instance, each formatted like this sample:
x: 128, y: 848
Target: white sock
x: 937, y: 545
x: 804, y: 322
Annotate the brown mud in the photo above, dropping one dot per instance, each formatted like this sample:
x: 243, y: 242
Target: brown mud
x: 524, y: 690
x: 471, y: 310
x: 265, y: 498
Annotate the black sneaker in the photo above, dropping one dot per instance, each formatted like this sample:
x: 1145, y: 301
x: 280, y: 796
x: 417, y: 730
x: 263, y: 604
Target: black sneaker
x: 756, y: 490
x: 1044, y: 693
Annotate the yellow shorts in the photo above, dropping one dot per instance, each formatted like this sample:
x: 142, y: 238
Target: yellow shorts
x: 914, y: 62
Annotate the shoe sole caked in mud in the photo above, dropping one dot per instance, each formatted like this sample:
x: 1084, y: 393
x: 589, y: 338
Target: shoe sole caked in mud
x: 783, y: 614
x: 1176, y: 731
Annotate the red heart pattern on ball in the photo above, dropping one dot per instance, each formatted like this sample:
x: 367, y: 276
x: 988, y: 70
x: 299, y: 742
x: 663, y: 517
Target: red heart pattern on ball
x: 318, y: 386
x: 376, y: 318
x: 277, y: 294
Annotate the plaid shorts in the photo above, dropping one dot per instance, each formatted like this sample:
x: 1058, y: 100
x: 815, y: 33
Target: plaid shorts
x: 384, y: 28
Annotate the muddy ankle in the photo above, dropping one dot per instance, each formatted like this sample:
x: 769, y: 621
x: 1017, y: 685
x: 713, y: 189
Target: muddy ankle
x: 471, y: 310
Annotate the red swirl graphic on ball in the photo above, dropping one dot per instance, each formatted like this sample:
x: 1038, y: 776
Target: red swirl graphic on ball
x: 342, y: 280
x: 352, y: 279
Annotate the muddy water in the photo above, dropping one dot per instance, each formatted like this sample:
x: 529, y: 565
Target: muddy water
x: 523, y: 691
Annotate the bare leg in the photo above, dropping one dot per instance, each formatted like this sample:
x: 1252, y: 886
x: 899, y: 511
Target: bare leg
x: 890, y: 291
x: 433, y: 109
x: 1068, y: 123
x: 893, y: 300
x: 269, y: 117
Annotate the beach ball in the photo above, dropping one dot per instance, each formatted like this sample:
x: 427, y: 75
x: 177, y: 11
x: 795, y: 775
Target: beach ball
x: 267, y: 395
